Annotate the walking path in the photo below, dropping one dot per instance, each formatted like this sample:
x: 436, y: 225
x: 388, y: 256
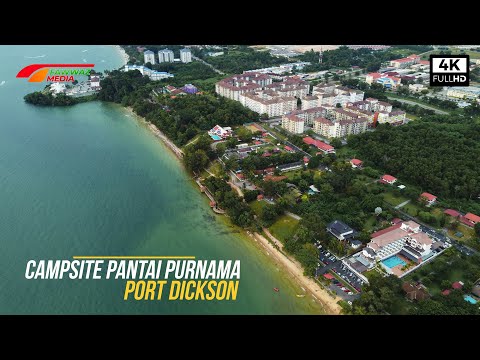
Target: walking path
x: 402, y: 204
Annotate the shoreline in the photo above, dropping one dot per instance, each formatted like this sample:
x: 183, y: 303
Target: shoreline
x: 295, y: 270
x: 292, y: 268
x: 123, y: 54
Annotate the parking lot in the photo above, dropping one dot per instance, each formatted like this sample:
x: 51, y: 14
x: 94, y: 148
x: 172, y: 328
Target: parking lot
x: 328, y: 262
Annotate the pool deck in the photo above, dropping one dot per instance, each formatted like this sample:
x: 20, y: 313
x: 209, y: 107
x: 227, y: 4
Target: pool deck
x: 397, y: 270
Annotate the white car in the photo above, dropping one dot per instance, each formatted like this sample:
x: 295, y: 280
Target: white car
x: 350, y: 303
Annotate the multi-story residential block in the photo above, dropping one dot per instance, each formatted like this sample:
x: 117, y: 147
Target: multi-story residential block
x: 149, y: 57
x: 268, y: 102
x: 310, y: 101
x: 165, y: 55
x: 185, y: 55
x: 293, y: 123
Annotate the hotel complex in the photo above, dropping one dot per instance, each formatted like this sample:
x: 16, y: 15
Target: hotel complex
x: 152, y: 74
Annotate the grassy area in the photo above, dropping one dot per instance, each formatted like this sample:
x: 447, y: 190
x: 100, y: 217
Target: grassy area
x: 411, y: 209
x: 284, y: 227
x: 370, y: 223
x: 392, y: 199
x: 412, y: 117
x: 455, y: 51
x: 468, y: 233
x: 257, y: 206
x: 216, y: 169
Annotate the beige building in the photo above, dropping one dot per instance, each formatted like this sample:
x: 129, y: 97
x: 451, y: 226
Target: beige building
x: 268, y: 102
x: 232, y: 87
x: 293, y: 123
x: 339, y: 128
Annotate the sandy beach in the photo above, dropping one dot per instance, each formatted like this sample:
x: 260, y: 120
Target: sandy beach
x: 296, y: 271
x: 156, y: 131
x: 123, y: 54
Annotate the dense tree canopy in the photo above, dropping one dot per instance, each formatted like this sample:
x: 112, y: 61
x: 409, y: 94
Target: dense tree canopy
x: 439, y: 154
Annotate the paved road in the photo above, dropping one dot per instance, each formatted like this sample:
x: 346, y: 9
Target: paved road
x: 209, y: 65
x: 421, y: 105
x: 292, y: 215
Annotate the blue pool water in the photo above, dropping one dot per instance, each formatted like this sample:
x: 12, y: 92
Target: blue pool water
x: 470, y: 299
x: 215, y: 137
x: 393, y: 261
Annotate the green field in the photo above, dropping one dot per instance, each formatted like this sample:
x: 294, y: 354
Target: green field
x: 257, y: 206
x: 370, y: 223
x: 284, y: 227
x: 392, y: 199
x: 468, y: 233
x: 473, y: 54
x: 411, y: 209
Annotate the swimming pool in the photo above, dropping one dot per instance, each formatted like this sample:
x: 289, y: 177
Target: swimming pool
x: 470, y: 299
x: 215, y: 137
x: 393, y: 261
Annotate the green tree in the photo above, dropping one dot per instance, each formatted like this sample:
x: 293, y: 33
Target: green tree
x: 477, y: 229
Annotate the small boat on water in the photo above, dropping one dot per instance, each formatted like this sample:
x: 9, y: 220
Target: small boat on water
x: 276, y: 289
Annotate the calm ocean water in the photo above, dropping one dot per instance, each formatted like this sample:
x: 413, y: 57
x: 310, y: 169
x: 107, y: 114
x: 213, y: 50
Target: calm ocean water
x: 90, y: 180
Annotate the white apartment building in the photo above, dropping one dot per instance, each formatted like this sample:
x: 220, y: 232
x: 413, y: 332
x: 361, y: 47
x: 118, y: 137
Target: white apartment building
x: 340, y: 128
x: 293, y: 123
x: 391, y: 117
x: 165, y: 55
x: 149, y: 57
x: 310, y: 101
x: 268, y: 102
x: 185, y: 55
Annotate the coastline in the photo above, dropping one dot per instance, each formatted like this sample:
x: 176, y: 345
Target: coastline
x: 123, y: 54
x: 291, y: 267
x: 295, y: 270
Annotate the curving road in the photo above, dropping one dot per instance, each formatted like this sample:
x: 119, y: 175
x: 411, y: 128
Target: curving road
x: 210, y: 65
x: 409, y: 102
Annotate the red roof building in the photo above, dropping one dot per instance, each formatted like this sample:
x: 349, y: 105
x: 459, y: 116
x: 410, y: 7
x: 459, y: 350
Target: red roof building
x: 306, y: 159
x: 446, y: 292
x: 325, y: 148
x: 356, y: 163
x: 452, y: 213
x: 384, y: 231
x: 288, y: 148
x: 328, y: 276
x: 472, y: 218
x: 396, y: 221
x: 429, y: 198
x: 259, y: 196
x: 388, y: 179
x: 266, y: 154
x: 274, y: 178
x: 457, y: 285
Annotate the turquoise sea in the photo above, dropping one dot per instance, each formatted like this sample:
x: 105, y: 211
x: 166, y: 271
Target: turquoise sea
x: 92, y: 180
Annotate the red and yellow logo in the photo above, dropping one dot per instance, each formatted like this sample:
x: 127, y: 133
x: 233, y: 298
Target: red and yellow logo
x: 54, y: 72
